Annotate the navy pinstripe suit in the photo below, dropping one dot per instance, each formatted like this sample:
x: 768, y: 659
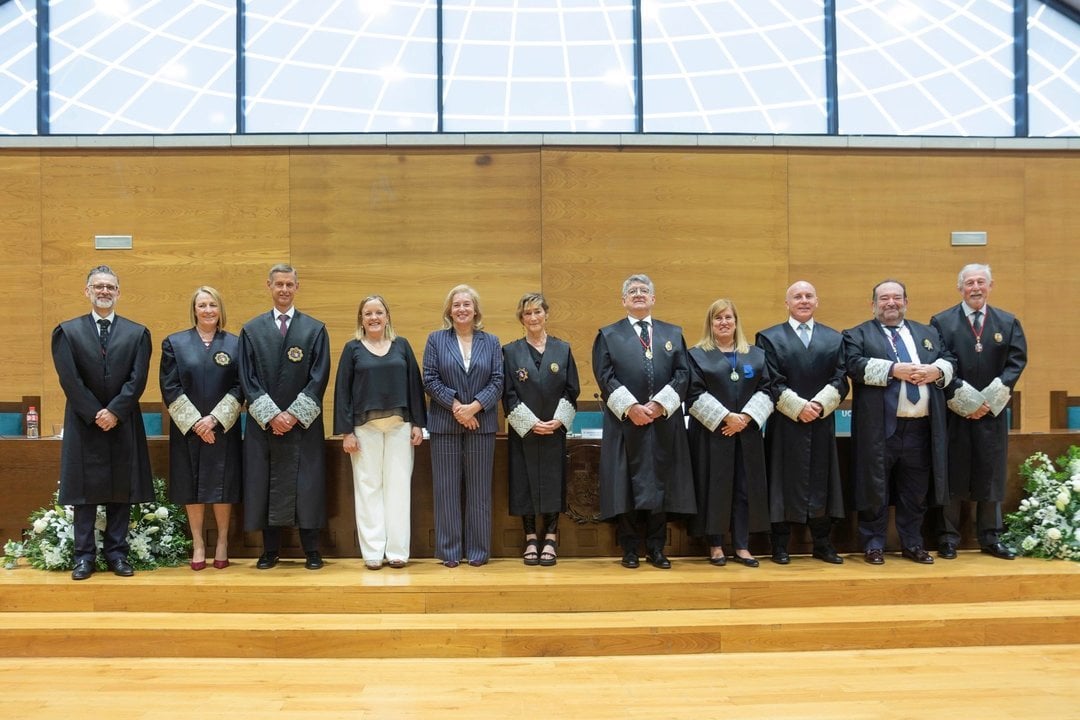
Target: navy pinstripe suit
x: 459, y: 455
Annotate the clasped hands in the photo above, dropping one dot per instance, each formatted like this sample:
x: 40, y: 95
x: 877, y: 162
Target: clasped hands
x: 917, y: 373
x: 645, y: 414
x: 105, y: 420
x: 734, y: 423
x: 204, y: 428
x: 466, y: 414
x: 283, y: 422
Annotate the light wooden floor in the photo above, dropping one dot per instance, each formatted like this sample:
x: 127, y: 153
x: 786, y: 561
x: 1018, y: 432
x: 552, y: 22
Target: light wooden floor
x: 976, y: 638
x: 1025, y: 683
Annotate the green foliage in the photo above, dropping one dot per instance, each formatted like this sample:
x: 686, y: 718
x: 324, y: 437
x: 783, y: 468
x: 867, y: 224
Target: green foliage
x: 1047, y: 523
x: 155, y: 534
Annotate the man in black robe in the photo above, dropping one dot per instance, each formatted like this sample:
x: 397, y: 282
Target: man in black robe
x: 898, y: 439
x: 806, y: 364
x: 284, y: 369
x: 102, y: 361
x: 642, y: 369
x: 990, y: 352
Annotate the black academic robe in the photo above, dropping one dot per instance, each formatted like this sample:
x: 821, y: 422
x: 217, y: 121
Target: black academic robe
x: 870, y: 482
x: 284, y: 475
x: 538, y: 462
x: 97, y: 466
x: 648, y: 467
x: 200, y: 472
x: 803, y: 466
x: 715, y: 457
x: 978, y: 449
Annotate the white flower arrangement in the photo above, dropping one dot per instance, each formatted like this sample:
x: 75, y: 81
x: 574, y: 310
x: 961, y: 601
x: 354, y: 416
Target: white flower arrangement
x: 155, y: 535
x: 1047, y: 523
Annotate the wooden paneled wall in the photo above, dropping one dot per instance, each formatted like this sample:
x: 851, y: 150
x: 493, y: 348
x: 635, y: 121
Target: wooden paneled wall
x: 409, y: 223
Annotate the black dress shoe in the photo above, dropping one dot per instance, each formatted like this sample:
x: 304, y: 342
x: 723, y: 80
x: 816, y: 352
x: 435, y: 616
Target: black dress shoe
x: 999, y: 550
x: 314, y: 560
x: 719, y: 561
x: 83, y: 569
x: 121, y: 567
x: 874, y: 556
x: 946, y: 551
x: 658, y: 560
x: 267, y: 560
x: 748, y: 562
x: 917, y: 554
x: 829, y: 555
x: 630, y: 559
x: 781, y: 557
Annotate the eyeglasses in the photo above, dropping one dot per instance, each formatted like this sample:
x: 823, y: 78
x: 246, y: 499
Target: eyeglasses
x: 104, y: 288
x: 638, y: 291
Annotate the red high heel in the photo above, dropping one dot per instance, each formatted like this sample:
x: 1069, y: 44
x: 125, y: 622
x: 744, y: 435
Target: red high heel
x: 201, y: 565
x: 221, y: 564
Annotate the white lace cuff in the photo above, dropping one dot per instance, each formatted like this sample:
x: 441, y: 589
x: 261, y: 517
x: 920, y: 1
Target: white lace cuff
x: 668, y: 399
x: 828, y: 398
x: 708, y: 411
x: 997, y: 396
x: 184, y: 414
x: 759, y: 407
x: 876, y: 372
x: 263, y: 410
x: 965, y: 400
x: 565, y: 413
x: 227, y: 412
x: 620, y: 401
x: 946, y: 369
x: 522, y: 419
x: 790, y: 404
x: 304, y: 409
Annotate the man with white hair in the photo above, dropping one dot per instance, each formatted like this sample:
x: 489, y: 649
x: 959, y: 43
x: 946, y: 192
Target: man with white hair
x: 991, y: 352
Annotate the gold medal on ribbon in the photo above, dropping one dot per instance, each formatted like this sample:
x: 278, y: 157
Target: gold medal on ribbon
x: 734, y: 376
x: 648, y: 354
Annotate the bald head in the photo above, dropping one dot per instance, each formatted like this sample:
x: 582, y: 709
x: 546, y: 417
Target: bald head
x: 801, y: 300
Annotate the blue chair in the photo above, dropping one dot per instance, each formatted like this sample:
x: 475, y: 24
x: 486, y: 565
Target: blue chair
x: 587, y: 419
x: 13, y: 415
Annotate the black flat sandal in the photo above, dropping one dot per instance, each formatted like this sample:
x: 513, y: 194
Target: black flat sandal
x: 531, y: 556
x: 548, y: 557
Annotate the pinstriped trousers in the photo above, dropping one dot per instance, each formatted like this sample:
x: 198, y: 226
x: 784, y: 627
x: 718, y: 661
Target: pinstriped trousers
x: 462, y: 460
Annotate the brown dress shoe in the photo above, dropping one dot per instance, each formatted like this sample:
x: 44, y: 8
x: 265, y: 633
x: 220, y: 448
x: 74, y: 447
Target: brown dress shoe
x: 874, y: 556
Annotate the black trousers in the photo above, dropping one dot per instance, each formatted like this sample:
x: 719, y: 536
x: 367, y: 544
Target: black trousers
x: 114, y: 541
x: 309, y: 539
x: 655, y: 524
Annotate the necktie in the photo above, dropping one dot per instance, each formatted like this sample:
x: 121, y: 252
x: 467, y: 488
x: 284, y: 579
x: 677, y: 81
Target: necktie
x: 903, y: 356
x: 103, y: 334
x: 646, y: 349
x: 804, y: 334
x: 284, y: 320
x: 976, y: 321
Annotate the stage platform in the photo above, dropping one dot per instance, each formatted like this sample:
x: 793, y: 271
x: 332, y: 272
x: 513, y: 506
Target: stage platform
x: 581, y: 607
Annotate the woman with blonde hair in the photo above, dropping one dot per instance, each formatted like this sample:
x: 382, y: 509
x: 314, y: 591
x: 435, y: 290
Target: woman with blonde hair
x: 463, y: 376
x: 200, y: 384
x: 379, y: 411
x: 729, y: 402
x: 540, y: 400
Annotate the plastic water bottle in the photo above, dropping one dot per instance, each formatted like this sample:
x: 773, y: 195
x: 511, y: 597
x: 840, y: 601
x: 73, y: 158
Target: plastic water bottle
x: 33, y: 428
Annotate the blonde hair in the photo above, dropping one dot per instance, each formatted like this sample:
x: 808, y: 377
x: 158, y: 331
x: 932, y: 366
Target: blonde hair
x: 708, y: 342
x: 217, y: 298
x: 361, y: 333
x: 531, y: 299
x: 478, y: 319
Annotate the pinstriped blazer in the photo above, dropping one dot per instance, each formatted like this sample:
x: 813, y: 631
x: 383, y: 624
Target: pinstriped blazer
x: 445, y: 380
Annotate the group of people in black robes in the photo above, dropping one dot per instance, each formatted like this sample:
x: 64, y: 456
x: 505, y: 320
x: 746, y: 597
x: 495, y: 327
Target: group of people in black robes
x: 928, y: 429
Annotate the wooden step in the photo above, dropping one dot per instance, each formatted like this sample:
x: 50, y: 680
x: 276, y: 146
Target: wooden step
x: 574, y: 585
x: 987, y: 683
x: 498, y: 634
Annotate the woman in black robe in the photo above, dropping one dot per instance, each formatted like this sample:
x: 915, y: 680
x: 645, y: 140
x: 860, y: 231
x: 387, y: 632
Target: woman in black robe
x: 200, y: 384
x: 729, y: 402
x: 540, y: 400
